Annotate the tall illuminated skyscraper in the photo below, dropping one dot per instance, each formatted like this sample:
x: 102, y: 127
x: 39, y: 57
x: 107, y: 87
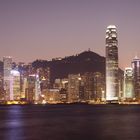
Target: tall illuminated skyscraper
x: 136, y: 71
x: 7, y: 61
x: 112, y: 86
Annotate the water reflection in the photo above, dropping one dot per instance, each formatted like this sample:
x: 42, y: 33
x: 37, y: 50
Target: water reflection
x: 13, y: 123
x: 70, y: 122
x: 120, y: 123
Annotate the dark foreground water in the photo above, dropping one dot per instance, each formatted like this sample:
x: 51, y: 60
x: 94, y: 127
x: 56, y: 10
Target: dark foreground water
x: 70, y: 122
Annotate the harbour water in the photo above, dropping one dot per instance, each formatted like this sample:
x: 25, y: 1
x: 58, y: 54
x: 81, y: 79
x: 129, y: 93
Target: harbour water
x: 70, y: 122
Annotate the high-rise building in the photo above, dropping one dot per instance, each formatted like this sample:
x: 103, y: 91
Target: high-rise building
x: 52, y: 96
x: 99, y: 86
x: 15, y: 85
x: 136, y: 71
x: 37, y: 87
x: 30, y: 90
x: 94, y: 86
x: 1, y: 87
x: 74, y: 82
x: 44, y: 74
x: 112, y: 87
x: 128, y: 84
x: 88, y: 84
x: 23, y: 78
x: 24, y: 86
x: 33, y: 91
x: 7, y: 61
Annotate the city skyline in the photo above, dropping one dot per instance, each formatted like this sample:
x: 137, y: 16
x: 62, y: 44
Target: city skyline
x: 49, y: 29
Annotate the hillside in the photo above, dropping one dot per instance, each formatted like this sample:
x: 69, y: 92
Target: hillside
x: 86, y: 61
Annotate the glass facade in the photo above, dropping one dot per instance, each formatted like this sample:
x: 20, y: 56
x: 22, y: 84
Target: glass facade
x: 136, y: 70
x: 7, y: 62
x: 128, y: 83
x: 15, y: 85
x: 112, y: 86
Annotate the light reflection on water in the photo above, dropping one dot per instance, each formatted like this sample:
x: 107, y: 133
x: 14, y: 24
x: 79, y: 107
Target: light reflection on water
x: 70, y: 122
x: 12, y: 123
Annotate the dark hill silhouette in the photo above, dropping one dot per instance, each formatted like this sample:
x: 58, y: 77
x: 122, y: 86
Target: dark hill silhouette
x: 86, y: 61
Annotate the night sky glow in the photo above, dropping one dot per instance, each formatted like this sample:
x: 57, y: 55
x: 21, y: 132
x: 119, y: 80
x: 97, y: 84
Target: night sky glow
x: 45, y: 29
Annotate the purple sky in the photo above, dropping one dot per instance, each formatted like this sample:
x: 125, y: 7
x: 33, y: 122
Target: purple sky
x: 44, y: 29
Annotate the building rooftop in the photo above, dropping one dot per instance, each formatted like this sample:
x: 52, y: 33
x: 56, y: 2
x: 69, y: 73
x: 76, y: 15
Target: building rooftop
x: 111, y: 26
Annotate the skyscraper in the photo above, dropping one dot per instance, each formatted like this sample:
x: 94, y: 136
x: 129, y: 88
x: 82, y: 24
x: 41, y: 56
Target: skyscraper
x: 136, y: 70
x: 128, y: 84
x: 74, y: 82
x: 15, y: 85
x: 88, y: 79
x: 7, y: 61
x: 99, y: 85
x: 33, y: 91
x: 112, y: 87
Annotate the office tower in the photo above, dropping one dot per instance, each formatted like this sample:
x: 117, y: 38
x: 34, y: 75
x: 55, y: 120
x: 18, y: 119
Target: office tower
x: 30, y: 91
x: 63, y: 95
x: 112, y: 87
x: 52, y: 96
x: 37, y: 87
x: 7, y: 61
x: 74, y: 82
x: 136, y: 71
x: 99, y: 86
x: 15, y: 85
x: 23, y: 78
x: 1, y: 86
x: 88, y: 84
x: 33, y: 91
x: 45, y: 78
x: 24, y: 87
x: 128, y: 84
x: 62, y: 85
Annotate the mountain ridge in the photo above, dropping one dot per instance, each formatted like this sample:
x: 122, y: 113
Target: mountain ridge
x: 86, y: 61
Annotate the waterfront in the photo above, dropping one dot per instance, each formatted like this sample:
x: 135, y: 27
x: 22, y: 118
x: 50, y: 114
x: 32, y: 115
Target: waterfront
x: 70, y: 122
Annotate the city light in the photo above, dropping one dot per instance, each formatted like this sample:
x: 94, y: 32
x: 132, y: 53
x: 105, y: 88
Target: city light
x: 36, y: 86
